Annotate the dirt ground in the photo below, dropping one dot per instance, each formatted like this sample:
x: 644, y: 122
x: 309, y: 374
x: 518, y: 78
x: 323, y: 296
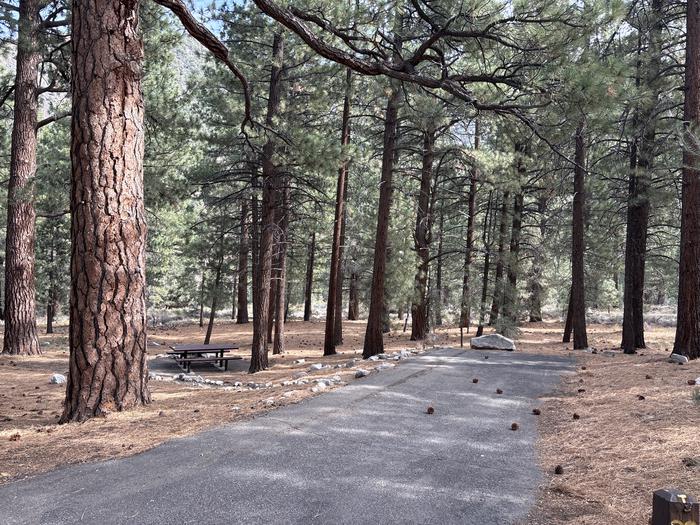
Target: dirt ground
x: 617, y: 451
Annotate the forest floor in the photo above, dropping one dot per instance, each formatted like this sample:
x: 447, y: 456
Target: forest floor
x: 617, y: 451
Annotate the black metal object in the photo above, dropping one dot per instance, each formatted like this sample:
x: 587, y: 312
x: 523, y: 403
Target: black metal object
x: 671, y: 507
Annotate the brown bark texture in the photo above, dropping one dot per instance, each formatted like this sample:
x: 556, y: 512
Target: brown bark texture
x: 243, y: 250
x: 259, y: 350
x: 309, y: 283
x: 578, y: 290
x: 374, y: 341
x: 688, y: 325
x: 20, y: 336
x: 334, y: 281
x: 107, y: 366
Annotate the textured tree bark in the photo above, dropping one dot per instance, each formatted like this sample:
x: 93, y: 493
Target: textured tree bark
x: 107, y: 366
x: 243, y: 249
x: 234, y: 293
x: 486, y: 237
x: 638, y: 206
x: 259, y: 350
x: 214, y: 300
x: 52, y: 296
x: 465, y: 307
x: 255, y: 246
x: 374, y: 341
x: 354, y: 298
x: 421, y: 239
x: 308, y: 288
x: 20, y: 288
x: 688, y: 326
x: 334, y: 283
x: 281, y: 289
x: 578, y: 290
x: 498, y: 285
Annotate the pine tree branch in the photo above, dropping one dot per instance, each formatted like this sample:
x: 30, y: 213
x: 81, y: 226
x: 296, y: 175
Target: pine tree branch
x: 205, y: 37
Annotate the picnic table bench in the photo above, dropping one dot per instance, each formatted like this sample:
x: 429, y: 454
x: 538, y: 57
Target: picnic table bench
x: 185, y: 355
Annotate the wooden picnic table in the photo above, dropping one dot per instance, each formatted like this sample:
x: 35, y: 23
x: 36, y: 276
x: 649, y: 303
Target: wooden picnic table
x: 183, y: 354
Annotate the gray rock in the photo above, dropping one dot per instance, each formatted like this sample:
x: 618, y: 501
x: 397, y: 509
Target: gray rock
x: 350, y: 364
x: 385, y: 366
x: 301, y: 374
x: 678, y: 358
x: 404, y: 354
x: 374, y: 358
x: 492, y: 342
x: 361, y: 373
x: 57, y: 379
x: 317, y: 366
x: 300, y: 361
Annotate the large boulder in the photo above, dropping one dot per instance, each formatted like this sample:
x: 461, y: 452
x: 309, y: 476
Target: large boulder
x: 492, y: 342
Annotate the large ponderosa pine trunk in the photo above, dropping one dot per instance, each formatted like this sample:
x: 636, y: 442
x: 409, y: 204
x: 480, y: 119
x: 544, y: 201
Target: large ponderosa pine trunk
x: 421, y: 238
x: 688, y: 326
x: 374, y: 341
x: 641, y: 163
x: 259, y: 350
x: 354, y: 298
x: 107, y: 339
x: 578, y: 290
x: 334, y: 279
x: 20, y: 302
x: 243, y: 249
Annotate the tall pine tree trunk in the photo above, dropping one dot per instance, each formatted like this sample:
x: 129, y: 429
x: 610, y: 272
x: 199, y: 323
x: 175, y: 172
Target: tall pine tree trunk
x: 439, y: 292
x: 510, y: 295
x: 498, y: 286
x: 107, y: 365
x: 338, y: 317
x: 281, y: 290
x: 308, y: 288
x: 486, y: 238
x: 353, y: 298
x: 259, y: 360
x: 374, y: 341
x: 421, y: 239
x: 641, y: 163
x: 578, y: 290
x: 20, y: 289
x: 243, y: 249
x: 334, y: 274
x: 688, y: 326
x: 465, y: 307
x: 214, y: 300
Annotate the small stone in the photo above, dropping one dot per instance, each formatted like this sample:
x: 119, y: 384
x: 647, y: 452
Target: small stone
x: 374, y: 358
x: 558, y: 470
x: 475, y: 380
x: 385, y: 366
x: 361, y: 373
x: 300, y: 361
x: 648, y: 376
x: 581, y: 390
x: 536, y: 411
x: 583, y: 368
x: 492, y: 342
x: 576, y: 417
x: 57, y: 379
x: 430, y: 410
x: 499, y: 391
x: 161, y: 413
x: 694, y: 382
x: 641, y: 397
x: 677, y: 358
x: 514, y: 427
x: 317, y: 366
x: 15, y: 437
x: 196, y: 410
